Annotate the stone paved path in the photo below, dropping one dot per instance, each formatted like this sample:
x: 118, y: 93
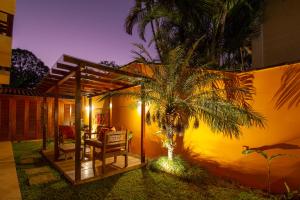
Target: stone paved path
x: 9, y: 185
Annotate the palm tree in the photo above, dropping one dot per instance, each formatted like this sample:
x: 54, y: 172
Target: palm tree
x: 228, y: 26
x: 178, y: 94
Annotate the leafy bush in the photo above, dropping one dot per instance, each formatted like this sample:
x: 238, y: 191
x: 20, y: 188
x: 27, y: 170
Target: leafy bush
x: 177, y: 167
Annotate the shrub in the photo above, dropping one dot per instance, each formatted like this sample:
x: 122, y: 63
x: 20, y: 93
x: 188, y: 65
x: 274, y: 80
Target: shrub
x: 178, y: 167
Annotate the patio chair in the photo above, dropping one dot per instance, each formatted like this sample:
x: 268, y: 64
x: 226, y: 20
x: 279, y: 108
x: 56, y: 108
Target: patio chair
x: 114, y: 143
x: 88, y: 139
x: 66, y: 140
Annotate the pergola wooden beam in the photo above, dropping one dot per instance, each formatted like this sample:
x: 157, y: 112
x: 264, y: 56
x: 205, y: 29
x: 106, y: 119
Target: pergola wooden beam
x: 65, y: 67
x: 54, y: 76
x: 86, y: 63
x: 118, y: 89
x: 105, y: 77
x: 60, y: 82
x: 89, y: 79
x: 61, y: 96
x: 102, y: 80
x: 71, y: 86
x: 59, y: 72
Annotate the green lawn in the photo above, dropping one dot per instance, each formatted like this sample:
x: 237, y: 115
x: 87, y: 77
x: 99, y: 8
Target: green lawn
x: 137, y: 184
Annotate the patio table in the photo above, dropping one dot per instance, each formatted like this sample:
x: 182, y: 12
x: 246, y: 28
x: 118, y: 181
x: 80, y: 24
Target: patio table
x: 68, y: 148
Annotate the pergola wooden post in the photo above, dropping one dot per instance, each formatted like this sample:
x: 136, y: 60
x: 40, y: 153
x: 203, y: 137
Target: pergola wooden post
x: 110, y: 112
x: 143, y: 124
x: 56, y: 131
x: 44, y: 123
x: 78, y: 124
x: 90, y: 114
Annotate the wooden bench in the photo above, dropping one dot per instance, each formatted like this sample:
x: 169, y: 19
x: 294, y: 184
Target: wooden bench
x: 114, y: 143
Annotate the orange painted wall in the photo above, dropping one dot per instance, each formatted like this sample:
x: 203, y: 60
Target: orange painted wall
x: 222, y: 156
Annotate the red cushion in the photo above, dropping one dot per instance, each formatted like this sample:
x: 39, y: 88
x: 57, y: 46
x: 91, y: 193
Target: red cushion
x: 67, y: 132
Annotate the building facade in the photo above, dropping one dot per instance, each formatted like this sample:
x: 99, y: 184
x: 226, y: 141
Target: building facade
x: 279, y: 41
x: 7, y: 11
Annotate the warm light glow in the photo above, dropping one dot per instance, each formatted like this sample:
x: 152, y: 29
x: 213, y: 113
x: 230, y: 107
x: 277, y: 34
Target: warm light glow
x: 88, y: 108
x: 175, y: 166
x: 93, y: 136
x: 139, y: 107
x: 110, y: 105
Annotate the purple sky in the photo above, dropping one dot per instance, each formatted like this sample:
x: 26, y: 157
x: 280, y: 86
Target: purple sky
x: 88, y: 29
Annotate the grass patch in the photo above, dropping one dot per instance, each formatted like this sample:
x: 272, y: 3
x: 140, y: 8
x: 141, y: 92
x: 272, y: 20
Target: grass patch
x: 138, y: 184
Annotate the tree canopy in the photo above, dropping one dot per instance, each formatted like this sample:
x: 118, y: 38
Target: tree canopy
x: 27, y: 70
x: 227, y: 27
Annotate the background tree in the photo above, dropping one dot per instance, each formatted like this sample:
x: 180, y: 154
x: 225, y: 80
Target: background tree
x: 111, y: 64
x: 27, y: 70
x: 178, y: 94
x: 227, y: 25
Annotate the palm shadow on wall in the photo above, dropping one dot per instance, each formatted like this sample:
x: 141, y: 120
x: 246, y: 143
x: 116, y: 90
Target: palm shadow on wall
x: 282, y: 146
x: 288, y: 93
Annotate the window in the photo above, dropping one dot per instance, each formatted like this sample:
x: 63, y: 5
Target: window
x: 6, y: 24
x: 69, y: 114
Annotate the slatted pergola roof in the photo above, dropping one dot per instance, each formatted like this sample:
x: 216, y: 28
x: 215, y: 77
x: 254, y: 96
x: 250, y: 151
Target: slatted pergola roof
x: 95, y: 79
x: 19, y: 91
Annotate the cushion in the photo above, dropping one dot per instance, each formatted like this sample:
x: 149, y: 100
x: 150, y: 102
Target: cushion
x: 67, y: 132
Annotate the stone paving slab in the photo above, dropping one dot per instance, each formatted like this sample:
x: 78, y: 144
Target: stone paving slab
x: 42, y: 179
x: 37, y: 170
x: 9, y: 187
x: 26, y: 161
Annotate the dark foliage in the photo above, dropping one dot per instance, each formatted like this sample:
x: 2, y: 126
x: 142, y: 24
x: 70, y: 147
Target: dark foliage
x: 226, y: 26
x: 27, y: 70
x: 111, y: 64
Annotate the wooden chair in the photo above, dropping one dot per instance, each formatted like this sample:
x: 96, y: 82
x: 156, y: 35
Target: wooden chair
x: 115, y: 143
x: 66, y: 141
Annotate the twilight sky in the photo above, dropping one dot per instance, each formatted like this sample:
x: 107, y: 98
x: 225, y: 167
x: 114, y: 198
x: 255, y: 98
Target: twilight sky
x: 88, y: 29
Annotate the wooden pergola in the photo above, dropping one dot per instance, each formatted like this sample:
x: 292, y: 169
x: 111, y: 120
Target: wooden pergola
x: 73, y: 78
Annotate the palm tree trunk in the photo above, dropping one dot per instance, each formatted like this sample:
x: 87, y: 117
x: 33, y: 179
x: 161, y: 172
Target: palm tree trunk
x: 156, y: 41
x: 153, y: 29
x: 170, y: 144
x: 170, y: 153
x: 220, y: 36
